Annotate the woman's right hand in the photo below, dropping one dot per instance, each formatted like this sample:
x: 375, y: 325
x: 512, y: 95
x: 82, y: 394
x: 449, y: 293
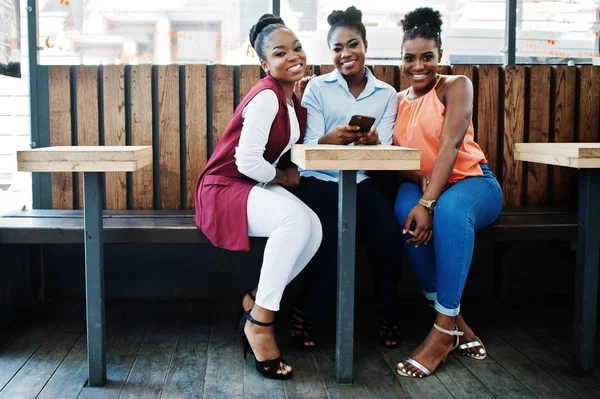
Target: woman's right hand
x: 342, y: 134
x: 289, y: 177
x: 423, y: 221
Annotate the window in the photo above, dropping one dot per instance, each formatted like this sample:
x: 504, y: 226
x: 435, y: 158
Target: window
x: 147, y: 31
x: 557, y: 31
x: 216, y: 31
x: 472, y: 31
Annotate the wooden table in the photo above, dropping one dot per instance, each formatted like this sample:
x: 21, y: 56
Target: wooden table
x: 348, y: 160
x: 92, y: 161
x: 586, y: 157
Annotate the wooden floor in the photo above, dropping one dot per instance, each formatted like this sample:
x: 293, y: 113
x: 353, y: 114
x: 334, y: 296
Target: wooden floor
x: 189, y: 349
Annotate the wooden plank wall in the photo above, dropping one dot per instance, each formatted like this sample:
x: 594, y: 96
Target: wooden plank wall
x: 169, y: 137
x: 87, y: 112
x: 168, y: 107
x: 141, y: 133
x: 563, y: 131
x: 60, y: 132
x: 114, y: 131
x: 196, y: 151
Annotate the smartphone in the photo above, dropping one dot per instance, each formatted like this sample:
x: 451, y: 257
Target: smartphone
x: 365, y: 122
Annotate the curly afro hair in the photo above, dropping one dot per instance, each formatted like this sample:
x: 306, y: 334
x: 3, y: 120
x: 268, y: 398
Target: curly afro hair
x: 423, y: 22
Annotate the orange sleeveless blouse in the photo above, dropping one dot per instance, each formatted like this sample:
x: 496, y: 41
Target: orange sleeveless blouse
x: 419, y: 125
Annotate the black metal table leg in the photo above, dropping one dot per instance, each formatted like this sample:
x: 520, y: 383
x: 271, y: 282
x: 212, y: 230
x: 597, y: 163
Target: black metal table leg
x: 586, y: 272
x: 94, y: 277
x: 344, y: 347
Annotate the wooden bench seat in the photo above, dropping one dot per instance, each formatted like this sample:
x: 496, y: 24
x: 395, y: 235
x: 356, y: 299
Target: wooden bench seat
x: 51, y: 226
x: 526, y: 224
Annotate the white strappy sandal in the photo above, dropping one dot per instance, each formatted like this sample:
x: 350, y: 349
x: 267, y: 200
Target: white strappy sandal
x: 401, y: 369
x: 474, y: 344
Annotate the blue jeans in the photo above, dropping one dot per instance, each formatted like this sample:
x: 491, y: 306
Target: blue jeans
x: 443, y: 264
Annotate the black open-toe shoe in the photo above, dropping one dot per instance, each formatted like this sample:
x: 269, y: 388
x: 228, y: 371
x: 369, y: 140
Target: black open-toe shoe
x: 268, y: 368
x: 389, y: 332
x: 300, y: 328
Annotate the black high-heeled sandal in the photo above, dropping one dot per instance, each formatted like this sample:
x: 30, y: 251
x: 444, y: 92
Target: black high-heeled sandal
x: 241, y: 309
x: 268, y: 368
x: 242, y: 296
x: 300, y: 328
x: 389, y: 332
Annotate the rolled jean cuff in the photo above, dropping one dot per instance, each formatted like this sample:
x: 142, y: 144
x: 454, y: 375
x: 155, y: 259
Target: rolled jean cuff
x: 430, y: 296
x: 445, y: 311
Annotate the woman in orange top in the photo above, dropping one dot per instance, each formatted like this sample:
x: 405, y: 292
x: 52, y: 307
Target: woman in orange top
x: 453, y: 194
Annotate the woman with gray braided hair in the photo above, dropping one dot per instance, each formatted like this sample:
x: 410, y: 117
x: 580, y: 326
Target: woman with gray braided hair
x: 453, y: 194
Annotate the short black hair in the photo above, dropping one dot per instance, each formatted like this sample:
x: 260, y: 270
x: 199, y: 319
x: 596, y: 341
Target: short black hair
x: 259, y: 32
x: 423, y: 22
x: 351, y: 18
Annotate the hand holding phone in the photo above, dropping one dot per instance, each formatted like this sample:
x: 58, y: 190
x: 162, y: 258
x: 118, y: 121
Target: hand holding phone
x: 363, y: 122
x: 357, y: 128
x: 367, y: 134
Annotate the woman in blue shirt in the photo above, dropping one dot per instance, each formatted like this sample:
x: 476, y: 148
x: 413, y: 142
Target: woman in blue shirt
x: 331, y: 100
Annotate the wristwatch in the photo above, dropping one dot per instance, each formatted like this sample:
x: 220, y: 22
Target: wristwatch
x: 429, y: 204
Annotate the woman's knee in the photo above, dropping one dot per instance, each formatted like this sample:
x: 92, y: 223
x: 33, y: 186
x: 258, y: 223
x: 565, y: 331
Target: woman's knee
x: 466, y: 210
x: 299, y: 222
x: 316, y: 230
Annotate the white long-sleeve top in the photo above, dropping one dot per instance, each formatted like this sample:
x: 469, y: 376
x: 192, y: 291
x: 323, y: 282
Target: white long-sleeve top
x: 259, y: 115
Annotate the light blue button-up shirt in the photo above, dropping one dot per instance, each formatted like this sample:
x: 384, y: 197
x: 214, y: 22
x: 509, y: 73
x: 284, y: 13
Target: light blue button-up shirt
x: 330, y: 103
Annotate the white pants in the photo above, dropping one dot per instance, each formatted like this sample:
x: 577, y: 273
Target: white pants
x: 294, y: 232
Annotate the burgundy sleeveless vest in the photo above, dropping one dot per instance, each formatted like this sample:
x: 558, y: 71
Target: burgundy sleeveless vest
x: 222, y: 191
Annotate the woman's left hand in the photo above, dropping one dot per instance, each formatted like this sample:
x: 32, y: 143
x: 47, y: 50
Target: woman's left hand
x: 423, y: 221
x: 371, y: 138
x: 300, y: 85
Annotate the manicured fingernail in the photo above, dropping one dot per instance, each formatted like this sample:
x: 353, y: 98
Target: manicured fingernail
x: 403, y: 231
